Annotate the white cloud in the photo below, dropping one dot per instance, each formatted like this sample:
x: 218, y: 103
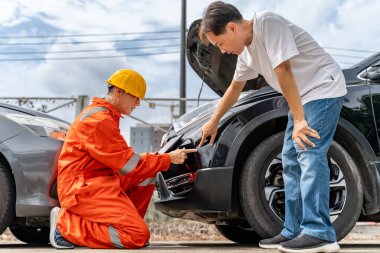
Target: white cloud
x: 9, y: 13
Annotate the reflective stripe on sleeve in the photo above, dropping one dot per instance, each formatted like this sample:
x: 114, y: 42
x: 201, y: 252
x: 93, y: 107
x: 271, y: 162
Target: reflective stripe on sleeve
x: 148, y: 181
x: 114, y: 236
x: 131, y: 164
x: 92, y: 111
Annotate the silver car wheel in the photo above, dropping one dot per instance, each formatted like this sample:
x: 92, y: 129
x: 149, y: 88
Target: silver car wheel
x: 275, y: 194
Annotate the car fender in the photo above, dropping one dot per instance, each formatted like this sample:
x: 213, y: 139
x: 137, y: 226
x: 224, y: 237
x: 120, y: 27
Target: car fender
x: 32, y: 170
x: 249, y: 128
x: 348, y: 136
x: 9, y: 129
x: 358, y: 137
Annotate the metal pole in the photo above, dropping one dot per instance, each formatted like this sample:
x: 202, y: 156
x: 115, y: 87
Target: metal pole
x: 182, y: 87
x: 61, y: 106
x: 82, y: 102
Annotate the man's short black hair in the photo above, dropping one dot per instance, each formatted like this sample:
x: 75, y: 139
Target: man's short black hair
x: 217, y: 15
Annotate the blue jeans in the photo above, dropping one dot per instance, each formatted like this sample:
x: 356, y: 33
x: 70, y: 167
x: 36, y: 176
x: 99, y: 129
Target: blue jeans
x: 306, y: 173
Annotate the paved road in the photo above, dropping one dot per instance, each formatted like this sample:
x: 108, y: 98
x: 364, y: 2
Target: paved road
x: 365, y: 237
x: 179, y: 247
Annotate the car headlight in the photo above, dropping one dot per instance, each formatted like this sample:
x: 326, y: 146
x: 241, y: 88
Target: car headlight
x: 41, y: 126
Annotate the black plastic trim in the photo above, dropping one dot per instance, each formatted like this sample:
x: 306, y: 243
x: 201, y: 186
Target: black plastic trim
x: 212, y: 191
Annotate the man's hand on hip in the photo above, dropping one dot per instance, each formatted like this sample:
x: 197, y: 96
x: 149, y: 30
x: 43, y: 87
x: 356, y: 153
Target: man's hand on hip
x: 301, y: 131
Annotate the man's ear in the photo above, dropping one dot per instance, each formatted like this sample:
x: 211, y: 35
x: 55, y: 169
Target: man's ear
x: 231, y: 26
x: 119, y: 90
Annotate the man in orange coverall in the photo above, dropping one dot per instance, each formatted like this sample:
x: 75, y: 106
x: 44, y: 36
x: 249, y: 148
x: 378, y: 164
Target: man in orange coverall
x: 104, y: 187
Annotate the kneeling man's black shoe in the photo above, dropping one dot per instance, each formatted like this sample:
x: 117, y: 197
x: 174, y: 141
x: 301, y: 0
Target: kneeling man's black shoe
x: 306, y: 243
x: 273, y: 243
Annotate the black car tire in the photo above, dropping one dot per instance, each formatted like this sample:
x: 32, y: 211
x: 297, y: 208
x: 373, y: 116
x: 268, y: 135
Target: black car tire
x: 7, y: 196
x: 31, y: 235
x: 239, y: 234
x: 256, y: 207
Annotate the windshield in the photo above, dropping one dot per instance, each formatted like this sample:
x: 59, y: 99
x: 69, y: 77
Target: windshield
x: 195, y: 114
x: 199, y: 113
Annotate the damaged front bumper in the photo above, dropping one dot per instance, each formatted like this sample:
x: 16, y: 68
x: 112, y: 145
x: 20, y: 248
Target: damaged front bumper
x: 206, y: 190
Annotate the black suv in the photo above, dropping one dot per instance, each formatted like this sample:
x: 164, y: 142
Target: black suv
x: 237, y: 183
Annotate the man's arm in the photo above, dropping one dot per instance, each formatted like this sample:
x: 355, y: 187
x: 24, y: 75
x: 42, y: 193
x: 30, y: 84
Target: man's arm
x: 227, y: 101
x: 291, y: 93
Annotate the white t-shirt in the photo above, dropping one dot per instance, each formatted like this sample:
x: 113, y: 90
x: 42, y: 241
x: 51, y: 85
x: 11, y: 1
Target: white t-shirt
x: 276, y: 40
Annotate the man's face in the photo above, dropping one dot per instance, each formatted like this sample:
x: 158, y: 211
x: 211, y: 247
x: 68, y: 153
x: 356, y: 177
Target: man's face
x: 231, y: 41
x: 127, y: 103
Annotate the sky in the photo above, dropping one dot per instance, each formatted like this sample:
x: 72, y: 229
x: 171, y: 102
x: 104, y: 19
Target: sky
x: 336, y: 25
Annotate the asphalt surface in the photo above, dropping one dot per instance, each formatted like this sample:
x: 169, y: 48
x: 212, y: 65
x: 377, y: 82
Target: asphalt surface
x: 193, y: 246
x: 365, y: 237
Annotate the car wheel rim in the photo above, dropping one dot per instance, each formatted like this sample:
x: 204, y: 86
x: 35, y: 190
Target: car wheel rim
x: 275, y: 194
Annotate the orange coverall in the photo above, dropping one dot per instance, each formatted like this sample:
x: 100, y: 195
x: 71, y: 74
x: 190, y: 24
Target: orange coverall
x: 104, y: 188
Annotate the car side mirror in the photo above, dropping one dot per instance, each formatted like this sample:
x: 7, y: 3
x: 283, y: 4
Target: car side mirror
x: 374, y: 75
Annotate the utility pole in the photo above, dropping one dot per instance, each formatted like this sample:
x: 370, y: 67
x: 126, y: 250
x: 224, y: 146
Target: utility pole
x: 82, y: 102
x: 182, y: 87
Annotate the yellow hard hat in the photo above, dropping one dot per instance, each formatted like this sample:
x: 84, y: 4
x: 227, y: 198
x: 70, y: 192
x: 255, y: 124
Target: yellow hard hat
x: 130, y: 81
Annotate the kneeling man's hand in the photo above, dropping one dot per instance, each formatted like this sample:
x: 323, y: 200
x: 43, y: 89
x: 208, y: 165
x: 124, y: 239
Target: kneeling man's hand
x: 179, y: 156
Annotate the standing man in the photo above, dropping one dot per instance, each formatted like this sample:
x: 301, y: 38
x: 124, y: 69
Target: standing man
x: 104, y: 187
x: 312, y: 83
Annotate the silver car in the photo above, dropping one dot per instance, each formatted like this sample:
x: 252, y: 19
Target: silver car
x: 30, y: 143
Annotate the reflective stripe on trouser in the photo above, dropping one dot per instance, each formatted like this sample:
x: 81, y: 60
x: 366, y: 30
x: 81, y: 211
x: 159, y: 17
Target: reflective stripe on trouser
x: 109, y: 214
x: 114, y: 236
x: 148, y: 181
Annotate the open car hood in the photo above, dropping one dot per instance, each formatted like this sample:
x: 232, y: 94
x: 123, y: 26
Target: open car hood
x: 215, y: 68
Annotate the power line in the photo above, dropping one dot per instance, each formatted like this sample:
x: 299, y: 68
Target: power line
x: 89, y: 57
x: 126, y: 40
x: 109, y: 56
x: 84, y: 42
x: 130, y: 48
x: 352, y: 50
x: 348, y: 56
x: 91, y: 50
x: 83, y: 35
x: 347, y: 63
x: 127, y: 33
